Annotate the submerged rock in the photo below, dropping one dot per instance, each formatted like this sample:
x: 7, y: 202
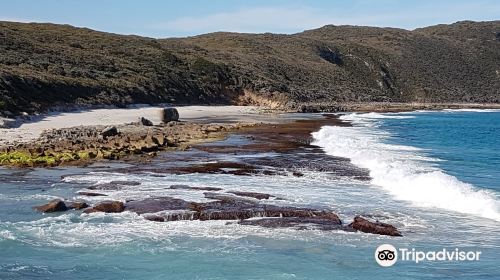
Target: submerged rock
x: 154, y: 218
x: 255, y: 195
x: 77, y: 205
x: 107, y: 207
x: 113, y: 185
x: 91, y: 194
x: 376, y: 227
x: 56, y: 205
x: 186, y: 187
x: 295, y: 222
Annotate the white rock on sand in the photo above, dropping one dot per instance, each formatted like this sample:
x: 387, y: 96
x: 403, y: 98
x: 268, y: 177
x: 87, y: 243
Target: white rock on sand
x: 31, y: 130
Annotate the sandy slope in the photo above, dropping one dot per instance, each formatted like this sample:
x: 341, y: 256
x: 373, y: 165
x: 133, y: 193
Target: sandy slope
x: 31, y: 130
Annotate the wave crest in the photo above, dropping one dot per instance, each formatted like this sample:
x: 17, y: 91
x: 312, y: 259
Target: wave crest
x: 404, y: 171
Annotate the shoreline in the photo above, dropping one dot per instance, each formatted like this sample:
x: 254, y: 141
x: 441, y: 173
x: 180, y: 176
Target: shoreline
x: 289, y: 143
x: 63, y: 138
x: 390, y: 107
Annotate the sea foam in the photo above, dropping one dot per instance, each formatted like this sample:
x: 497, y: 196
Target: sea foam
x: 404, y: 171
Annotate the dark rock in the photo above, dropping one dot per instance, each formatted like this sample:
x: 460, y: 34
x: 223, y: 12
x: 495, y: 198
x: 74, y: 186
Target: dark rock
x: 226, y: 197
x: 145, y: 122
x: 56, y: 205
x: 153, y: 205
x: 154, y: 218
x: 173, y: 209
x: 113, y: 185
x: 255, y: 195
x: 377, y: 227
x: 226, y: 207
x: 169, y: 115
x: 109, y: 131
x: 278, y: 211
x: 77, y: 205
x: 224, y: 167
x: 107, y: 207
x: 186, y: 187
x: 295, y: 222
x: 91, y: 194
x: 332, y: 56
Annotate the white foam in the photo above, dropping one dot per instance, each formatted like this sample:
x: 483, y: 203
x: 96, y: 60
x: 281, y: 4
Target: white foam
x: 473, y: 110
x: 402, y: 170
x: 103, y: 229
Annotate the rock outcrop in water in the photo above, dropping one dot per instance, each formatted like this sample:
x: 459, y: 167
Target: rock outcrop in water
x: 376, y: 227
x: 56, y: 205
x: 107, y: 207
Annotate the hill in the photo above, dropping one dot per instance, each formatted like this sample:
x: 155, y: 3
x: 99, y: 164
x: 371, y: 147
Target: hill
x: 47, y: 65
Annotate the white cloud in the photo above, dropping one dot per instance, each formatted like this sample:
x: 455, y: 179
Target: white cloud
x: 261, y: 19
x: 296, y: 19
x: 14, y: 19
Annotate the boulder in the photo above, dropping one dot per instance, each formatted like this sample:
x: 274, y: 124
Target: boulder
x: 77, y: 205
x: 169, y: 114
x: 107, y: 207
x: 109, y: 131
x: 376, y: 227
x: 145, y: 122
x: 56, y: 205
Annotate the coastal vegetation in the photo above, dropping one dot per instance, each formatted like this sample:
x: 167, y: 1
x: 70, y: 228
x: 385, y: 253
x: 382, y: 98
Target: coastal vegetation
x: 44, y: 66
x: 26, y: 159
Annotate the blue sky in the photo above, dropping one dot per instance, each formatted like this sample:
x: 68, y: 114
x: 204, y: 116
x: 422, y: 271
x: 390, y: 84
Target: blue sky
x: 161, y: 19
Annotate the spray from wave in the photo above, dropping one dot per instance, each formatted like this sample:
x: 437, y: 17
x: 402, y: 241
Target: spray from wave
x: 401, y: 170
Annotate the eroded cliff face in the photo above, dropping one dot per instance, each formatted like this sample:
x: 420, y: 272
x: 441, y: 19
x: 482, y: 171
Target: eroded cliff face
x: 45, y: 65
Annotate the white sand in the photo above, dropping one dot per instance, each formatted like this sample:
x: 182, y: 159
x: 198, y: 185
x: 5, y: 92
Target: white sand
x: 31, y: 130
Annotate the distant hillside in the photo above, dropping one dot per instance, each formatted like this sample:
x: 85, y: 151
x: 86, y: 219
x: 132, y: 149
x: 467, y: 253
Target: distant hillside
x: 45, y: 65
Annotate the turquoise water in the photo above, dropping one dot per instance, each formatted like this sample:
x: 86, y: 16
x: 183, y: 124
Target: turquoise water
x: 435, y: 176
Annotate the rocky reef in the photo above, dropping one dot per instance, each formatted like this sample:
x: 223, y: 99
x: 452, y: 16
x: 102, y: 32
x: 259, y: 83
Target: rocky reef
x: 84, y: 144
x: 229, y: 206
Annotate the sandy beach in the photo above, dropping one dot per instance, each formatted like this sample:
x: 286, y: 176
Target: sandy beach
x: 30, y: 130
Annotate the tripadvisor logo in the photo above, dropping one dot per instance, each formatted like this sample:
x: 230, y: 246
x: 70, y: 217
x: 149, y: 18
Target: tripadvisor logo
x: 387, y: 255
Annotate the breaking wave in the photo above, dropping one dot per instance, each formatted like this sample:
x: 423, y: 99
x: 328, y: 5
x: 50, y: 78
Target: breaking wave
x: 404, y: 171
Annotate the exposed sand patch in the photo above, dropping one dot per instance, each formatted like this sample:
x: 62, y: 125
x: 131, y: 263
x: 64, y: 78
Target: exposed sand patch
x: 31, y: 130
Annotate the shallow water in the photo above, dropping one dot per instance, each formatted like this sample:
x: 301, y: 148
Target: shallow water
x: 443, y: 192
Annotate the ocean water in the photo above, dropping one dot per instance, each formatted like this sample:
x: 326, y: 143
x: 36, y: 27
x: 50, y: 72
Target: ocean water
x: 435, y: 176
